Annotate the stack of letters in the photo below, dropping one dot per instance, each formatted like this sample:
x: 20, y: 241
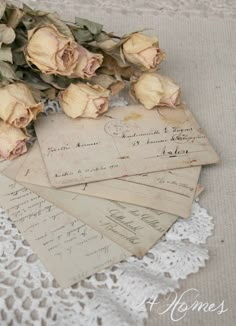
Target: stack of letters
x: 91, y: 193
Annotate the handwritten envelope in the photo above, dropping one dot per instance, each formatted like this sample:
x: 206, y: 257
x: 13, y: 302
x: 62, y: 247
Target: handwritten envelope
x: 124, y: 142
x: 170, y: 191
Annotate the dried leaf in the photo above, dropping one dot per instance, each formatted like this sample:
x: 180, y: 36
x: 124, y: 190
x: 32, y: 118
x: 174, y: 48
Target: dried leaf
x: 112, y: 67
x: 122, y: 56
x: 37, y: 94
x: 103, y: 80
x: 6, y: 54
x: 2, y: 8
x: 32, y: 78
x: 101, y: 37
x: 94, y: 28
x: 58, y: 23
x: 33, y: 12
x: 107, y: 45
x: 108, y: 82
x: 29, y: 22
x: 6, y: 71
x: 82, y: 36
x: 4, y: 82
x: 117, y: 87
x: 50, y: 93
x: 7, y: 34
x: 19, y: 58
x: 59, y: 82
x: 15, y: 18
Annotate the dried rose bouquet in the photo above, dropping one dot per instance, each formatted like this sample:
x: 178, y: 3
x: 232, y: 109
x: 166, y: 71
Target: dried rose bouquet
x: 42, y: 56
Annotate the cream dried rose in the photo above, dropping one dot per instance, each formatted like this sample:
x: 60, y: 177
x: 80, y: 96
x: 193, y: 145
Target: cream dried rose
x: 88, y: 63
x: 51, y: 51
x: 143, y: 51
x: 152, y: 90
x: 18, y: 106
x: 12, y: 141
x: 84, y: 100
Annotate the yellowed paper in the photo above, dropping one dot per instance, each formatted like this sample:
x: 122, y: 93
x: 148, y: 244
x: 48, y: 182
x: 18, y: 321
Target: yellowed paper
x: 134, y: 228
x: 126, y: 141
x: 170, y: 191
x: 69, y: 248
x: 4, y: 164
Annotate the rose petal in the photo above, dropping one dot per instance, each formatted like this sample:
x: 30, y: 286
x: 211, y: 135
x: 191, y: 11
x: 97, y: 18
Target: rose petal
x: 18, y: 106
x: 12, y: 141
x: 153, y: 90
x: 88, y: 63
x: 96, y: 107
x: 59, y: 57
x: 143, y: 51
x: 148, y: 89
x: 84, y: 100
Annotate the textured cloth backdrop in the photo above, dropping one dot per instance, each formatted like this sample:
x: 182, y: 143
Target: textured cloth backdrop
x: 199, y: 38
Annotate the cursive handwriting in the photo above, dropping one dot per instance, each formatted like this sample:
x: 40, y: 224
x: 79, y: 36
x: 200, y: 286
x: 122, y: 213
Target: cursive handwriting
x: 52, y: 149
x: 114, y: 228
x: 87, y: 144
x: 117, y: 216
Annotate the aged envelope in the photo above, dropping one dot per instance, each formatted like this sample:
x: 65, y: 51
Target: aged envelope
x: 69, y: 248
x: 126, y: 141
x: 170, y: 191
x: 132, y: 227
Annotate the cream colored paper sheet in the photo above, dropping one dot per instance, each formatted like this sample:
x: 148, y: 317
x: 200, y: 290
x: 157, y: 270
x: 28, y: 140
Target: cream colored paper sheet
x: 69, y: 248
x: 169, y: 191
x: 126, y: 141
x: 134, y: 228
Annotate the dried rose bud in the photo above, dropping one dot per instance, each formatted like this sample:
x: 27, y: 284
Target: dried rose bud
x: 88, y: 63
x: 52, y: 52
x: 143, y: 51
x: 152, y: 90
x: 18, y: 107
x: 12, y: 141
x: 84, y: 100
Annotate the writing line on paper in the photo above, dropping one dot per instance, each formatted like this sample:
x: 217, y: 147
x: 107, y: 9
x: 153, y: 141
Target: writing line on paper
x: 132, y: 227
x: 69, y: 248
x: 170, y: 191
x: 114, y: 220
x: 113, y: 147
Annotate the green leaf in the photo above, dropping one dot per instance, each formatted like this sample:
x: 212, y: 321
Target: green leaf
x: 7, y: 34
x: 2, y: 8
x: 58, y: 23
x: 93, y: 27
x: 6, y: 54
x: 6, y: 71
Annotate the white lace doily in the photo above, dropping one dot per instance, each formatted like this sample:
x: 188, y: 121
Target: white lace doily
x: 30, y: 296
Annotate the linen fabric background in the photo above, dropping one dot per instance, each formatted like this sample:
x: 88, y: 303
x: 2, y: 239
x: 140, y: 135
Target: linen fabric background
x: 199, y: 39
